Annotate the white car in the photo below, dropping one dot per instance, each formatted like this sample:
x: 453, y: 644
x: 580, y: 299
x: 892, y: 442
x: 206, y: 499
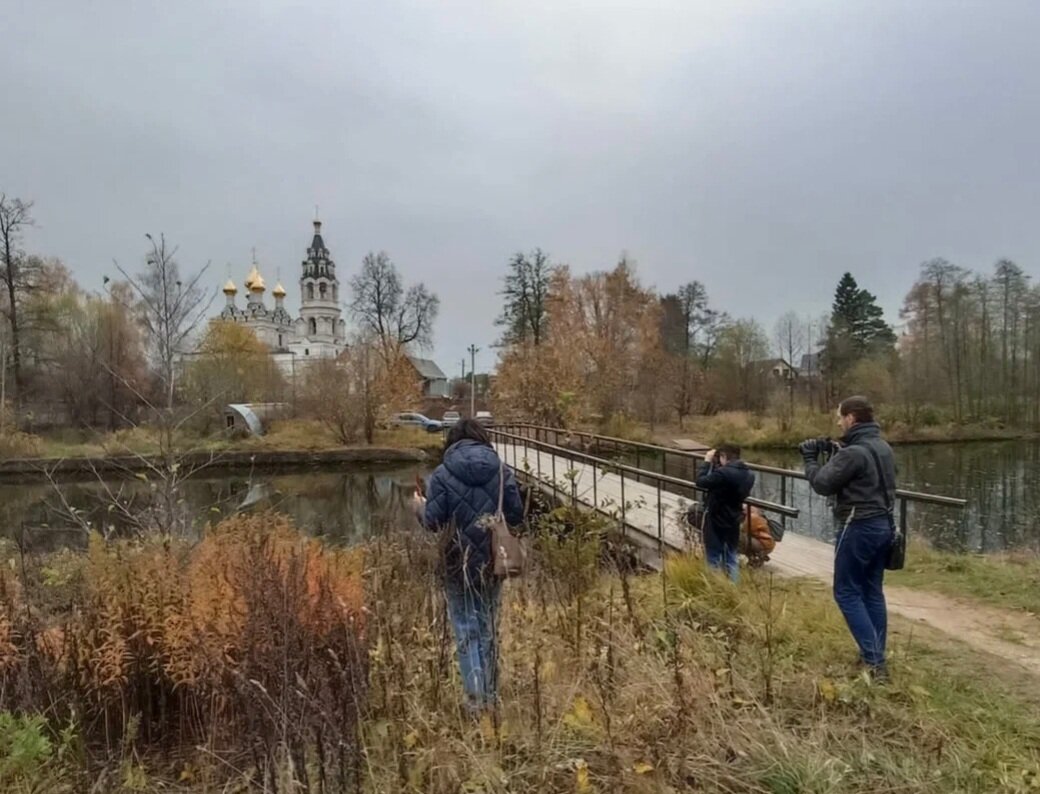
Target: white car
x: 415, y: 420
x: 485, y: 418
x: 451, y: 418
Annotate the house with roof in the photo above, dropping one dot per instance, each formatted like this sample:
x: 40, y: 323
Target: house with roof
x: 434, y: 381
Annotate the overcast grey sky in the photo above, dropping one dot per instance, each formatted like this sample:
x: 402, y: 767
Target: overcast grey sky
x: 761, y: 147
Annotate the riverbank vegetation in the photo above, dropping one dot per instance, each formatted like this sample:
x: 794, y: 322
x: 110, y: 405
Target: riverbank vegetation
x: 261, y: 660
x: 287, y: 435
x: 1010, y: 581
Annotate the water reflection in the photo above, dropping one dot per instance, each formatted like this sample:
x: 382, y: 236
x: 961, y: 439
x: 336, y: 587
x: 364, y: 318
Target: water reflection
x: 343, y: 505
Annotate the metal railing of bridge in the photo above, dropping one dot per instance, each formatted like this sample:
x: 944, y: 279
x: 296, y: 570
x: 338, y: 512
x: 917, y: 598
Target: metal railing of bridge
x: 662, y: 483
x: 641, y: 451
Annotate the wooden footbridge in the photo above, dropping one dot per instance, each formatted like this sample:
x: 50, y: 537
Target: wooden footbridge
x: 646, y: 489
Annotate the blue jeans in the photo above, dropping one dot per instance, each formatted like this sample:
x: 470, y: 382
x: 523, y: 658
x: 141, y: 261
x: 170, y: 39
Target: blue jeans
x: 859, y: 571
x: 721, y: 556
x: 474, y: 618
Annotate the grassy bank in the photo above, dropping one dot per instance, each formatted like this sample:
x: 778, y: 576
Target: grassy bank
x: 291, y: 435
x: 764, y: 432
x: 1011, y: 581
x: 610, y: 682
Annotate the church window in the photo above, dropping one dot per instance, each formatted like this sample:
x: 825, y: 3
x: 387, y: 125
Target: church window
x: 306, y: 351
x: 321, y: 289
x: 279, y: 340
x: 314, y: 326
x: 310, y: 292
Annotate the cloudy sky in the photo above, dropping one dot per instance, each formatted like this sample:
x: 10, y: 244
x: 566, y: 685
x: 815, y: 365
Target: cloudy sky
x: 761, y: 147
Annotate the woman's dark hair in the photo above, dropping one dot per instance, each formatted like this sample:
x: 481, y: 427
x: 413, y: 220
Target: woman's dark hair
x: 467, y: 429
x: 858, y: 407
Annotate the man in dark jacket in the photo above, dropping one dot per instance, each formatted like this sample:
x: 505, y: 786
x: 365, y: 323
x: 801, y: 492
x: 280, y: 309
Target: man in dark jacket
x: 461, y: 495
x: 861, y: 476
x: 727, y: 482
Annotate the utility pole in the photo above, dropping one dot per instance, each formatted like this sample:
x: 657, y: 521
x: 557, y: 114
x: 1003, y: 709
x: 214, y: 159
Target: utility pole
x: 473, y: 350
x: 3, y: 388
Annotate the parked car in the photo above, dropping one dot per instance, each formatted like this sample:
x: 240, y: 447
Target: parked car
x: 416, y: 420
x: 451, y: 418
x: 485, y: 418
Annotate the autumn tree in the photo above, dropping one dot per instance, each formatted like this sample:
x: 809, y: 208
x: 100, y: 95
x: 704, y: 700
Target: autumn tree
x: 102, y: 368
x: 230, y: 365
x: 525, y: 313
x: 353, y: 393
x: 790, y: 336
x: 740, y: 379
x: 394, y: 317
x: 169, y: 307
x: 18, y: 276
x: 690, y: 332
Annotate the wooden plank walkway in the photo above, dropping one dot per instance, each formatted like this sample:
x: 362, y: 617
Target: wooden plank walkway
x: 651, y: 522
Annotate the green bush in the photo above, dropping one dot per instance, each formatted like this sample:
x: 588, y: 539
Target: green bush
x: 25, y: 748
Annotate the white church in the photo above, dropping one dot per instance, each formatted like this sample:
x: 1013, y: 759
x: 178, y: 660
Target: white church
x: 319, y: 332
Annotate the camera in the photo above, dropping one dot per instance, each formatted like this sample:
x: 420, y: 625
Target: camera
x: 815, y: 447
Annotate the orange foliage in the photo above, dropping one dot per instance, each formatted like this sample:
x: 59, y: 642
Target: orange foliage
x: 253, y: 632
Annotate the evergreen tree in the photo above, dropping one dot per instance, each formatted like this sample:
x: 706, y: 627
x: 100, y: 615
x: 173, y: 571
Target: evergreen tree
x: 857, y: 330
x: 526, y: 292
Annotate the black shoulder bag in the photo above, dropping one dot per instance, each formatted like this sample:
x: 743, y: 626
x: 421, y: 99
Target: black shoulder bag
x: 897, y: 551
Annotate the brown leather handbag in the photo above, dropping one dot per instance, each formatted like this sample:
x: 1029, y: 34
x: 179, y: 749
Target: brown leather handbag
x: 509, y: 552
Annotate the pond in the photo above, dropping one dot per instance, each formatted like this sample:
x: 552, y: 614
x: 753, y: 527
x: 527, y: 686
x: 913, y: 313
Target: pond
x: 1000, y: 480
x: 344, y: 504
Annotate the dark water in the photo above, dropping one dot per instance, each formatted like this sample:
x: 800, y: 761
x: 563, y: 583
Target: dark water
x: 343, y: 505
x: 1000, y: 480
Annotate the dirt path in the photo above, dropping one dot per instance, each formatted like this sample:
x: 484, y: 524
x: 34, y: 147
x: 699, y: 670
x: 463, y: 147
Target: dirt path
x: 1013, y: 636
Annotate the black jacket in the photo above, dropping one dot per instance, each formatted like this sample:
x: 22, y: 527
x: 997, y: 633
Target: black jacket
x: 727, y: 487
x: 852, y: 477
x: 461, y: 492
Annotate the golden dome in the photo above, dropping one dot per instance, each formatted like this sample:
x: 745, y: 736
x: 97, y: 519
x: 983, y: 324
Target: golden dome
x: 254, y: 281
x: 230, y: 288
x: 278, y: 291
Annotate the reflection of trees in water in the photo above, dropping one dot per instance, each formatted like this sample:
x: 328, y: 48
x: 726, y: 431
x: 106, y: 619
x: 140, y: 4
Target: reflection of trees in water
x: 344, y: 505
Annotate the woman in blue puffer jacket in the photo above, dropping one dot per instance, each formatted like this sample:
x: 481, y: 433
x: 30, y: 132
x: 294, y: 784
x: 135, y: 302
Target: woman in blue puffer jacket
x: 462, y: 492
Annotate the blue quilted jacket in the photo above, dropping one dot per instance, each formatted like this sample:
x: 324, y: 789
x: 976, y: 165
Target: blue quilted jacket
x: 462, y: 490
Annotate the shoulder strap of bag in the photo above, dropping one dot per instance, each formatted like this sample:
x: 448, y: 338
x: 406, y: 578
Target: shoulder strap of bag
x: 881, y: 475
x: 501, y: 486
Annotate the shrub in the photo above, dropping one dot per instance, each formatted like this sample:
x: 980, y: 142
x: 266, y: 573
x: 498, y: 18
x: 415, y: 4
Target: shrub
x: 248, y: 642
x: 15, y: 444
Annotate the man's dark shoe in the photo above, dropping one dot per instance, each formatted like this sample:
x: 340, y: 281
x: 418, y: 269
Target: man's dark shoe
x: 878, y: 673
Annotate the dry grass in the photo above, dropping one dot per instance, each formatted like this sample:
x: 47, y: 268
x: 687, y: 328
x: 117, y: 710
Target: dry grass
x: 767, y: 431
x: 245, y: 646
x: 615, y: 683
x: 611, y: 681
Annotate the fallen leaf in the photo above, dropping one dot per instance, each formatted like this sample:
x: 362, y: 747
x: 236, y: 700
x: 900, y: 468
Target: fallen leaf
x: 828, y: 691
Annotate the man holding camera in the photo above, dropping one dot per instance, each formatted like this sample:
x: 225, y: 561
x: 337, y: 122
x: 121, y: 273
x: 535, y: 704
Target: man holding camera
x: 727, y: 482
x: 860, y: 473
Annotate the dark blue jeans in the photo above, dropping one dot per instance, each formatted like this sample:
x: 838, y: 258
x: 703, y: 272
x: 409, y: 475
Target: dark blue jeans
x: 859, y: 572
x: 474, y: 615
x: 721, y: 556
